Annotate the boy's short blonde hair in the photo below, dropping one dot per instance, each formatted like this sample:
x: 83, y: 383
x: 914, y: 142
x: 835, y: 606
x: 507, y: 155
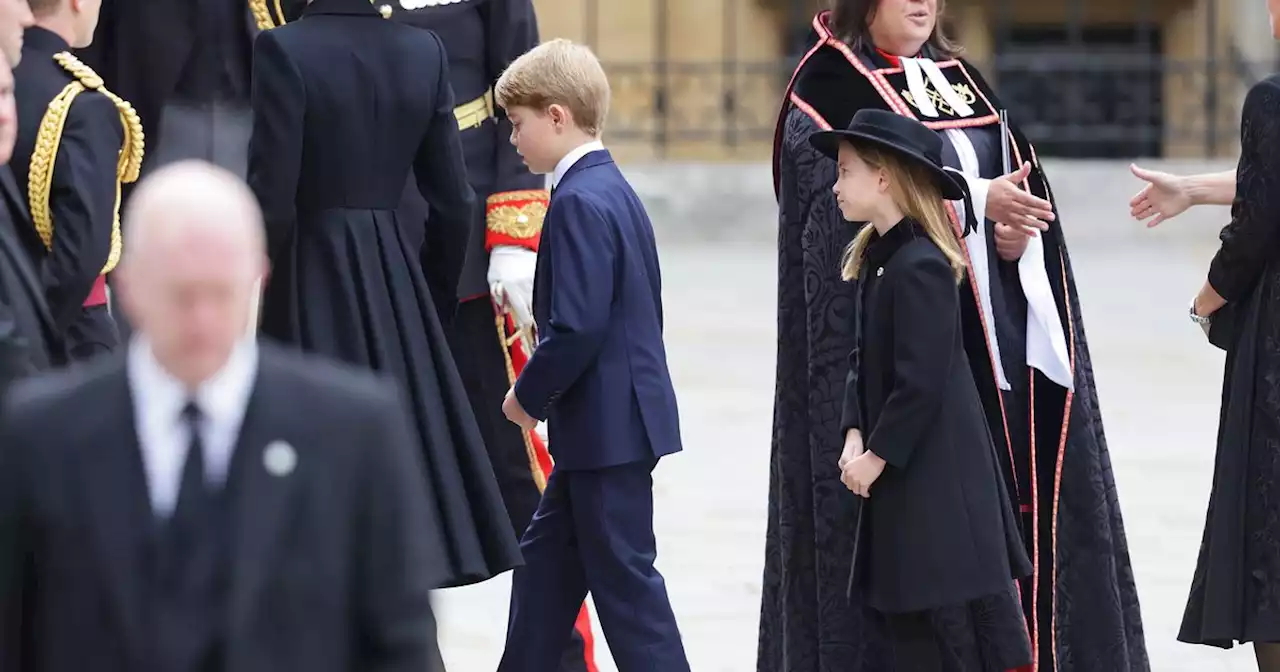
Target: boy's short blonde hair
x: 558, y: 72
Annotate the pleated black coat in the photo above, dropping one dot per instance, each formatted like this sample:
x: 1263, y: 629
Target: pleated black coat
x: 345, y: 105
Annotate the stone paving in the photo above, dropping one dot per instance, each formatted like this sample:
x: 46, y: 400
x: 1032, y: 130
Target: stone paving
x: 1159, y: 382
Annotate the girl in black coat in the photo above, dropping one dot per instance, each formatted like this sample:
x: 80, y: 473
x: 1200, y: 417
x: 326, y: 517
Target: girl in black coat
x: 938, y: 548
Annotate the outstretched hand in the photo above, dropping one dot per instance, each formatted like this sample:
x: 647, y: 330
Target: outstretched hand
x: 1164, y: 197
x: 1010, y: 205
x: 1018, y: 214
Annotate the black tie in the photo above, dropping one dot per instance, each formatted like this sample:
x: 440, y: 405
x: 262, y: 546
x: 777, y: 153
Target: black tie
x: 186, y: 523
x: 187, y: 583
x: 194, y: 489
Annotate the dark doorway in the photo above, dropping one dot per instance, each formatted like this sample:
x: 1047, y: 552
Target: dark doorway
x: 1085, y: 92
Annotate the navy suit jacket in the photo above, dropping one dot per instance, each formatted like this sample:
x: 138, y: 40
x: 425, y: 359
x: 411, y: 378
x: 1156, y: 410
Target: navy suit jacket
x: 599, y: 374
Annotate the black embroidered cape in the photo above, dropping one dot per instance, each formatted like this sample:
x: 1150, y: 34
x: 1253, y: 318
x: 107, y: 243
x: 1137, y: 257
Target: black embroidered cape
x: 1081, y: 603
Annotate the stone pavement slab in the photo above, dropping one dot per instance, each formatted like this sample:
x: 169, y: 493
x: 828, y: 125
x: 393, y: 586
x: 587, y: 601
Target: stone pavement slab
x: 1159, y: 382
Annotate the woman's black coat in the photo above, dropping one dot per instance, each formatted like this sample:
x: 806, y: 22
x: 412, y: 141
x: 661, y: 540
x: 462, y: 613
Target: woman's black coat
x: 1236, y: 585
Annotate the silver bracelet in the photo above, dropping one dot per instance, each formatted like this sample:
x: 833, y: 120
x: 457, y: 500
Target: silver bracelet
x: 1198, y: 319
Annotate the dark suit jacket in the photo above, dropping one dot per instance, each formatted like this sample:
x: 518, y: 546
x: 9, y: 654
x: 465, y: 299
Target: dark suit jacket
x: 28, y: 341
x: 345, y: 103
x: 599, y: 374
x: 83, y: 196
x: 939, y: 527
x: 333, y: 565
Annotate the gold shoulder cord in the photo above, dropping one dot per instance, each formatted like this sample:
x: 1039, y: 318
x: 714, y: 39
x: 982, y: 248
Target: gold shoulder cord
x: 40, y: 173
x: 264, y: 17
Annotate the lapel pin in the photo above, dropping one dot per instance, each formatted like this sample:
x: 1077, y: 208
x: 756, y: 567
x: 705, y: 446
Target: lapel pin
x: 880, y: 271
x: 279, y: 458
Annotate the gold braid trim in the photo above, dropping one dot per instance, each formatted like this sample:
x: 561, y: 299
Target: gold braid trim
x: 517, y: 214
x: 266, y: 20
x: 40, y: 172
x: 262, y: 15
x: 523, y: 221
x: 535, y: 468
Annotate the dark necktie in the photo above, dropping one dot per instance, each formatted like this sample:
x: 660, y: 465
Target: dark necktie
x: 186, y: 584
x: 194, y: 488
x: 180, y: 533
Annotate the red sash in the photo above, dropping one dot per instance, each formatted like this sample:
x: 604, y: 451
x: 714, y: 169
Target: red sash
x: 97, y: 295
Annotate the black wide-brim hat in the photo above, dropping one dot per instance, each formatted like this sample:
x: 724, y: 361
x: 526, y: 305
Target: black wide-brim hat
x: 904, y: 136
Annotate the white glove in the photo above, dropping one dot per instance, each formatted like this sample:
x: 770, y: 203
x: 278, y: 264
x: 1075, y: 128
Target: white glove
x: 511, y: 271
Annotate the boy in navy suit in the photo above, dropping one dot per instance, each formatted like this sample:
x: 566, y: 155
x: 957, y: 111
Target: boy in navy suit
x: 598, y: 377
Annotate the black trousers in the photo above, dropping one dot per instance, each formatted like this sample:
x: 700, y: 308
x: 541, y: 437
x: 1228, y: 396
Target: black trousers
x: 477, y: 350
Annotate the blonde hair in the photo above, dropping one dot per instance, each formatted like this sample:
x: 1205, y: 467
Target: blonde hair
x: 914, y: 191
x: 558, y: 72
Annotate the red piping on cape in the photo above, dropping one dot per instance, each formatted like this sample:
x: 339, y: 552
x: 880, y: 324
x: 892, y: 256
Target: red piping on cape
x: 787, y: 98
x: 1008, y: 442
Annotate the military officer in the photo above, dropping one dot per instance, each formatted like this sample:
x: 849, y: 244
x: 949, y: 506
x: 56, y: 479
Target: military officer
x: 77, y: 143
x: 184, y: 64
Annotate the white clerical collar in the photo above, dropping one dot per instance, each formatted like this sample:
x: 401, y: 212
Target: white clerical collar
x: 573, y: 157
x: 223, y: 395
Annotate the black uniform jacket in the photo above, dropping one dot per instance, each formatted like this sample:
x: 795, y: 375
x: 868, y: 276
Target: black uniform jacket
x: 482, y: 37
x: 938, y: 527
x: 82, y: 199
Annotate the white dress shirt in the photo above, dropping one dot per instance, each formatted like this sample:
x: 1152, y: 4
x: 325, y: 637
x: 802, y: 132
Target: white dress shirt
x: 158, y: 402
x: 573, y: 157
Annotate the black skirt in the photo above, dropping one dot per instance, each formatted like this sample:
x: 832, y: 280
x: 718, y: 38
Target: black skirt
x: 352, y: 288
x: 1235, y: 590
x: 477, y: 350
x: 987, y: 634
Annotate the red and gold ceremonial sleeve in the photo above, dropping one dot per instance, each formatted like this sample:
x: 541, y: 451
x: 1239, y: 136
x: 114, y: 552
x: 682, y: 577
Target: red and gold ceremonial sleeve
x: 515, y: 218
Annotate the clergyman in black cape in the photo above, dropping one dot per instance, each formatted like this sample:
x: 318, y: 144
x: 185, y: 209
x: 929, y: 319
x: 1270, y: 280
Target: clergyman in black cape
x: 1082, y: 603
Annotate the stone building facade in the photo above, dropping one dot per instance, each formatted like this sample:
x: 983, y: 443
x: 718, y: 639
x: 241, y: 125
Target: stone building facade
x: 701, y: 79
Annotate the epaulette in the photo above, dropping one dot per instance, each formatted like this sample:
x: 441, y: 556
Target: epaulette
x: 43, y: 156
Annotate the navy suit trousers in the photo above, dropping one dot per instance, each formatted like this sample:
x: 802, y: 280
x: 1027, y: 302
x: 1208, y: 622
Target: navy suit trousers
x: 593, y: 533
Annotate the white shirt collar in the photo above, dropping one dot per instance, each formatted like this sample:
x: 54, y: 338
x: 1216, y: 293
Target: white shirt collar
x: 573, y: 157
x: 223, y: 397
